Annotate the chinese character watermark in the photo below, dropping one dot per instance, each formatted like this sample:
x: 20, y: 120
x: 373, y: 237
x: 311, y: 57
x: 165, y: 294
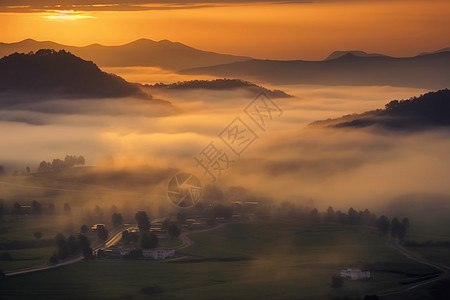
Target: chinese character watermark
x: 184, y: 189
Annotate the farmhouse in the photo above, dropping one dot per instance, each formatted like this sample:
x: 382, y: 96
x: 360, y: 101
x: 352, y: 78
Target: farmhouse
x: 354, y: 274
x: 158, y: 253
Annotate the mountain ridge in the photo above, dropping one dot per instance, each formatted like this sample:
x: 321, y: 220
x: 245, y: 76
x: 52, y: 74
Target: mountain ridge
x: 165, y: 54
x: 60, y: 73
x: 431, y: 71
x: 429, y: 110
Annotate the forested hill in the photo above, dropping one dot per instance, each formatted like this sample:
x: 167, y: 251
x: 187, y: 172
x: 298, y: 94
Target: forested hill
x: 219, y: 84
x: 61, y: 73
x: 428, y: 110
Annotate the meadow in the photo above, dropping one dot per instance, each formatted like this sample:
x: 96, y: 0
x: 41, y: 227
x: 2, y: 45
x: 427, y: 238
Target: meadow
x: 270, y: 259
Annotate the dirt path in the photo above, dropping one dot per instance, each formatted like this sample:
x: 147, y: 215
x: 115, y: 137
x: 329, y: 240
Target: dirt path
x: 187, y: 242
x: 409, y: 254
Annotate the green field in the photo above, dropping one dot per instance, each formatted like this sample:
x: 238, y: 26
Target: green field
x: 17, y: 238
x: 272, y: 260
x: 436, y: 230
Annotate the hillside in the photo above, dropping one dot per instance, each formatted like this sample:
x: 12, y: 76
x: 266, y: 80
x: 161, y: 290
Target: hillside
x: 219, y: 84
x: 431, y: 71
x: 48, y: 72
x: 144, y: 52
x: 429, y: 110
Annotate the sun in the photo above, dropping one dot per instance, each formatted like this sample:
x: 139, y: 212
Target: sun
x: 66, y: 15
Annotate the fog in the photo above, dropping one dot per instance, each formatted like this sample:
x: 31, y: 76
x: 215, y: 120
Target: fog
x: 290, y: 160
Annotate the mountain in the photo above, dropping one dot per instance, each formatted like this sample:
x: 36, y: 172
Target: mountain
x: 144, y: 52
x: 337, y: 54
x: 438, y: 51
x: 429, y: 110
x: 431, y: 71
x: 219, y: 84
x: 61, y: 73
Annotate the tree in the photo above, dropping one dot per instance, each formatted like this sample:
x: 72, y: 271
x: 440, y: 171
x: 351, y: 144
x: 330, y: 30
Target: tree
x: 383, y: 225
x: 73, y: 245
x: 330, y: 216
x: 44, y: 166
x: 61, y: 243
x: 149, y: 240
x: 85, y: 246
x: 395, y: 227
x: 80, y: 160
x: 84, y: 229
x: 143, y: 221
x: 37, y: 234
x: 35, y: 208
x: 53, y: 259
x: 27, y: 170
x: 352, y: 216
x: 173, y: 231
x: 117, y: 219
x: 102, y: 233
x: 402, y: 230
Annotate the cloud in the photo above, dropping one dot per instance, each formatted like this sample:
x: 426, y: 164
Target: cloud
x: 289, y: 161
x: 74, y: 6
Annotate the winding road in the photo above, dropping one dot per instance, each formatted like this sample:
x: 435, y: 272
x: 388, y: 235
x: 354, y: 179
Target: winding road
x: 115, y: 238
x: 394, y: 243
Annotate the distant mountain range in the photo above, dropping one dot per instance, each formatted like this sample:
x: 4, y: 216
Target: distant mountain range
x: 144, y: 52
x: 426, y: 70
x: 337, y: 54
x: 431, y: 71
x: 429, y: 110
x: 218, y: 84
x: 51, y: 73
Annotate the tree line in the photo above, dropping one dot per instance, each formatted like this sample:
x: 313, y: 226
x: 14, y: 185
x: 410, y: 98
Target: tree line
x: 33, y: 208
x: 59, y: 164
x: 394, y: 227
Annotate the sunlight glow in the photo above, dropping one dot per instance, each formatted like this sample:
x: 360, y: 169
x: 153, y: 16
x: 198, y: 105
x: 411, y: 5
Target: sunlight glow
x: 67, y: 15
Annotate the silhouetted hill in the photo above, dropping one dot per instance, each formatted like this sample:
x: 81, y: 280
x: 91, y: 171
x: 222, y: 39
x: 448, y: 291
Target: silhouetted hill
x: 219, y: 84
x: 430, y: 71
x: 428, y: 110
x: 49, y: 72
x: 337, y: 54
x: 144, y: 52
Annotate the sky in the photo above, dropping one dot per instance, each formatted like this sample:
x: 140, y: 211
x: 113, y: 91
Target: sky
x: 260, y: 29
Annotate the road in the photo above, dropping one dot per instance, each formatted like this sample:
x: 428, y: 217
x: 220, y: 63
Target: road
x: 393, y: 243
x: 186, y: 241
x: 115, y: 238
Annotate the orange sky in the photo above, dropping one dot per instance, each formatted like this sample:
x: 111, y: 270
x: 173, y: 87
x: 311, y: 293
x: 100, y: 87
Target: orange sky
x: 261, y: 30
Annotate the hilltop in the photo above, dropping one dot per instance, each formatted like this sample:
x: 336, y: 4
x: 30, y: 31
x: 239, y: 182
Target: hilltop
x: 60, y: 73
x: 429, y: 110
x: 219, y: 84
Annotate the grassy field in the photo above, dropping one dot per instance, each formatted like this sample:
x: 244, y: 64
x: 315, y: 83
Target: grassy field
x: 272, y: 260
x: 17, y: 238
x: 436, y: 230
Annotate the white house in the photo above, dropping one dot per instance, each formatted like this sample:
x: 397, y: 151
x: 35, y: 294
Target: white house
x: 158, y: 253
x: 354, y: 274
